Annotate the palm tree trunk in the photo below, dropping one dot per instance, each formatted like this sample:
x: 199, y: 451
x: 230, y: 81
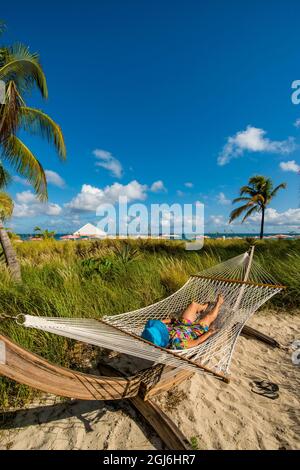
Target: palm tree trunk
x: 262, y: 223
x: 10, y: 254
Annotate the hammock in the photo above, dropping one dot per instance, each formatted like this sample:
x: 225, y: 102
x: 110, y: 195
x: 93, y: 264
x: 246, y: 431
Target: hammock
x: 245, y: 285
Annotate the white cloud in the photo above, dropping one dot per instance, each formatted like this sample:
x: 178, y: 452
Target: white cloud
x: 290, y: 217
x: 217, y: 220
x: 290, y: 166
x: 189, y: 185
x: 52, y: 209
x: 158, y: 186
x: 253, y: 140
x: 27, y: 205
x: 55, y: 179
x: 91, y: 197
x: 297, y: 123
x: 109, y: 162
x: 25, y: 197
x: 223, y: 200
x: 180, y: 193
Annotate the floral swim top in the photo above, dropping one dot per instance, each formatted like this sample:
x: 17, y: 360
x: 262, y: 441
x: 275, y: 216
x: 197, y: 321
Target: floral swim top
x: 181, y: 331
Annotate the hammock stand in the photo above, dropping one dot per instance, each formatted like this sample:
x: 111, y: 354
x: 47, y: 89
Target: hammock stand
x: 170, y: 367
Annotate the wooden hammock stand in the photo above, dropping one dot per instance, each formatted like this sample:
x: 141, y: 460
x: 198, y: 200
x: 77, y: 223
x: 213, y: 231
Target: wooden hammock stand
x: 27, y: 368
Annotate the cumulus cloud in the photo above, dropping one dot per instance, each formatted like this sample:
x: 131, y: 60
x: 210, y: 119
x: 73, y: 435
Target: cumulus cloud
x: 157, y: 187
x: 290, y: 166
x: 55, y: 179
x: 290, y: 217
x: 27, y: 205
x: 189, y: 185
x: 109, y: 162
x: 253, y: 139
x: 222, y: 199
x: 91, y: 197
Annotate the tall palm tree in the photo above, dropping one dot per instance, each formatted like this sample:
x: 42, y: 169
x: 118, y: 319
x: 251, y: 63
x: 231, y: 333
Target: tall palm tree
x: 21, y: 70
x: 256, y: 196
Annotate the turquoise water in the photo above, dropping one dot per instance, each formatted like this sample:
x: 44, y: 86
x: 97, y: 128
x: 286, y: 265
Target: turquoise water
x: 26, y: 236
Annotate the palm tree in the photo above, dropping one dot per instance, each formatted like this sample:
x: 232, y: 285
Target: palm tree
x: 20, y: 70
x: 256, y: 196
x: 48, y: 234
x: 37, y: 230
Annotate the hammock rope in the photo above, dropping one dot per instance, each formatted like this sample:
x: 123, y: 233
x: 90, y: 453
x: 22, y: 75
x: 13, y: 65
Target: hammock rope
x: 245, y: 289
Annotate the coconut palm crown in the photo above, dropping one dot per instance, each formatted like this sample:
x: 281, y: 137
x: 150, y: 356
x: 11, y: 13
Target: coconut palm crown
x: 255, y: 196
x: 21, y: 70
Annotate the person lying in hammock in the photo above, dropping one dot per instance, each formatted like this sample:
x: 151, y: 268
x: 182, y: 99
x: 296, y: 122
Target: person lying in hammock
x: 184, y: 332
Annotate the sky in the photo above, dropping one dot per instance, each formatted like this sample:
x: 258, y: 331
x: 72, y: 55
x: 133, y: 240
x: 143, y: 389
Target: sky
x: 164, y: 102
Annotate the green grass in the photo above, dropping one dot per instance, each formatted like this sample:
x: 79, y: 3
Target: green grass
x: 194, y: 443
x: 90, y: 279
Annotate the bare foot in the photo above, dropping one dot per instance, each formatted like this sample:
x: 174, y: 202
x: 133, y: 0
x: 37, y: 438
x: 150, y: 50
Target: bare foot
x: 220, y: 300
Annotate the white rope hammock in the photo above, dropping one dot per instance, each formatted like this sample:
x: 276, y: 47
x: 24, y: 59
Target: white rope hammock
x: 245, y: 290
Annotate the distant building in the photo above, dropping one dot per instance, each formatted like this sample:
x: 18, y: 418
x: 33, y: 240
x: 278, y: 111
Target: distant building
x: 90, y: 230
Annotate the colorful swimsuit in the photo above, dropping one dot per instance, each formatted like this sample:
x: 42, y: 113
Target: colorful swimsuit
x: 181, y: 331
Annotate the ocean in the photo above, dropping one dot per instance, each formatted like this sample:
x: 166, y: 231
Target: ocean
x: 292, y: 235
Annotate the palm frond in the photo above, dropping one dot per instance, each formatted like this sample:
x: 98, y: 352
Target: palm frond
x: 6, y: 206
x: 238, y: 211
x: 5, y: 177
x: 26, y: 164
x: 275, y: 190
x: 258, y: 180
x: 9, y: 112
x: 247, y: 190
x: 239, y: 199
x: 250, y: 211
x: 37, y: 122
x: 24, y: 68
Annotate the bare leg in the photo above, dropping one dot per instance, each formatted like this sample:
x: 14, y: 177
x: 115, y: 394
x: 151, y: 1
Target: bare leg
x: 214, y: 312
x: 192, y: 311
x: 195, y: 342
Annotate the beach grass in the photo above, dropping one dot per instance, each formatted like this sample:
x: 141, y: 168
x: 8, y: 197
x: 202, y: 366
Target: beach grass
x: 93, y: 278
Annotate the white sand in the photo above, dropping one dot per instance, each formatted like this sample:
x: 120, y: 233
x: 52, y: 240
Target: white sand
x: 215, y: 415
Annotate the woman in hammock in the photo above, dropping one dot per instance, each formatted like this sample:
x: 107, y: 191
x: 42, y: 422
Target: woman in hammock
x: 185, y: 332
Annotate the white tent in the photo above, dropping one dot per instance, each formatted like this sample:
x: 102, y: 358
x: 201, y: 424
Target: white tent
x: 90, y: 230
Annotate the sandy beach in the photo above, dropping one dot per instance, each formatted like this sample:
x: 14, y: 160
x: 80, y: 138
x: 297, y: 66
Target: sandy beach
x: 210, y: 413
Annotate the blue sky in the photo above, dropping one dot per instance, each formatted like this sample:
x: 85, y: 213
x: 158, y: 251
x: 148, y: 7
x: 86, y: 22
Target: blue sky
x: 195, y: 92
